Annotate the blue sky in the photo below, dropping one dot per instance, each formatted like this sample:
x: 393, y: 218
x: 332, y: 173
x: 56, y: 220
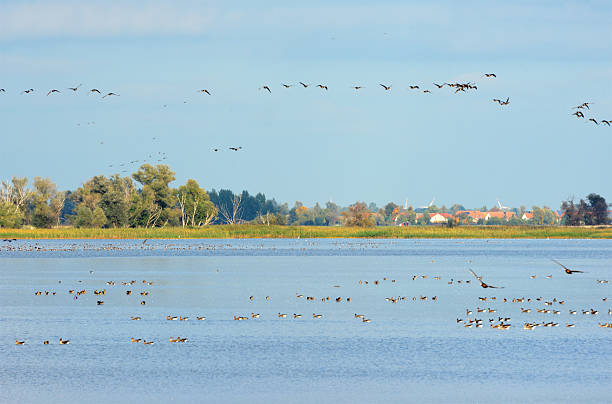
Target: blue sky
x: 309, y: 144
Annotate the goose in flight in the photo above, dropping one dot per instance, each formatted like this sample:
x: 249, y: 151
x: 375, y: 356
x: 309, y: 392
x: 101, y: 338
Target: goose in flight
x: 583, y: 105
x: 358, y: 87
x: 110, y: 95
x: 205, y: 91
x: 490, y: 75
x: 95, y: 90
x: 414, y: 87
x: 235, y: 148
x: 321, y: 86
x: 2, y: 90
x: 567, y: 270
x: 606, y: 122
x: 31, y: 90
x: 304, y: 84
x: 439, y: 85
x: 482, y: 284
x: 52, y: 91
x: 267, y: 88
x: 387, y: 88
x: 286, y: 85
x: 75, y: 88
x: 594, y: 121
x: 578, y: 114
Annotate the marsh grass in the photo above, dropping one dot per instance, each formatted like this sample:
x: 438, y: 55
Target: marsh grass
x: 262, y: 231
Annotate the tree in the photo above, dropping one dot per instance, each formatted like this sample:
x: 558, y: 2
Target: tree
x: 196, y: 207
x: 48, y: 203
x: 599, y: 209
x: 358, y: 215
x: 158, y: 198
x: 543, y: 216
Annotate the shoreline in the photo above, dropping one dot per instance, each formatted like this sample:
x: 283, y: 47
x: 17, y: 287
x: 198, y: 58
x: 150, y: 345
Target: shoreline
x: 312, y: 232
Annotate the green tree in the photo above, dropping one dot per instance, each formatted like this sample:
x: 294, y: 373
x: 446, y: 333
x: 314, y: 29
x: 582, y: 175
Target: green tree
x: 158, y: 200
x: 599, y: 209
x: 195, y: 205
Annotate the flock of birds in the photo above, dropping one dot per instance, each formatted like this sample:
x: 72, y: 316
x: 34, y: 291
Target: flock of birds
x: 501, y: 322
x: 585, y: 106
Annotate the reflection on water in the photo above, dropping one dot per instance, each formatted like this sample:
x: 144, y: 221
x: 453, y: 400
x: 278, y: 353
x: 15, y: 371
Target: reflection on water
x: 412, y: 350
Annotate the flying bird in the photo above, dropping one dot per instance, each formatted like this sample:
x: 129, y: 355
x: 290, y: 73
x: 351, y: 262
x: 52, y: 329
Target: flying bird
x: 482, y: 284
x: 357, y: 87
x: 303, y: 84
x: 2, y: 90
x: 413, y: 87
x: 75, y: 88
x: 52, y: 91
x: 438, y: 85
x: 31, y: 90
x: 204, y: 91
x: 606, y: 122
x: 578, y: 114
x: 593, y: 120
x: 490, y: 75
x: 110, y: 94
x: 286, y: 85
x: 95, y: 90
x: 387, y: 88
x: 322, y: 86
x: 567, y: 270
x: 267, y: 88
x: 235, y: 148
x: 583, y: 105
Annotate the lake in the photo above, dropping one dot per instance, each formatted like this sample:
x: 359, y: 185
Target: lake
x: 415, y: 348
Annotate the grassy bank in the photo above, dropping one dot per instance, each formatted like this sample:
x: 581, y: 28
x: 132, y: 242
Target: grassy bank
x: 261, y: 231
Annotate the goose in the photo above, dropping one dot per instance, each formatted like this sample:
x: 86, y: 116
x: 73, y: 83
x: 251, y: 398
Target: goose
x: 64, y: 341
x: 135, y: 318
x: 317, y: 315
x: 204, y: 91
x: 17, y: 342
x: 52, y: 91
x: 387, y: 88
x: 201, y: 318
x: 567, y: 270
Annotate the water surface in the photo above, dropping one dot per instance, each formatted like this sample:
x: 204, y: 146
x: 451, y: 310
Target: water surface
x: 411, y: 351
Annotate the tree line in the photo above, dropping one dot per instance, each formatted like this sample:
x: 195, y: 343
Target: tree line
x: 146, y: 199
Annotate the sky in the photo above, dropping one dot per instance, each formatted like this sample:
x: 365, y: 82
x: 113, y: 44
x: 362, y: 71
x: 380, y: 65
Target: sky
x: 309, y: 144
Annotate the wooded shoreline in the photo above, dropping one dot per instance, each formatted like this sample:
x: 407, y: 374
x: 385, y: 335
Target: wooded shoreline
x: 264, y: 231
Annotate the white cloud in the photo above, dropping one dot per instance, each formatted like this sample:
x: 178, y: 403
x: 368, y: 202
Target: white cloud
x: 70, y: 18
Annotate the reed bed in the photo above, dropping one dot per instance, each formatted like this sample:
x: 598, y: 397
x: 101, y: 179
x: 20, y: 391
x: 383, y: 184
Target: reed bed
x: 262, y: 231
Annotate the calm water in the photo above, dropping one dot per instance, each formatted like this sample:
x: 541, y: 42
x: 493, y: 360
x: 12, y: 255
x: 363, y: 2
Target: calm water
x: 411, y: 351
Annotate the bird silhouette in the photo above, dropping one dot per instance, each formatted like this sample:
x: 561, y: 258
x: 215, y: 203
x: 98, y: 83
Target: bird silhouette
x: 110, y: 95
x: 357, y: 87
x: 31, y: 90
x: 414, y: 87
x: 205, y: 91
x: 2, y: 90
x: 606, y: 122
x: 304, y: 84
x: 567, y: 270
x: 95, y: 90
x: 75, y: 88
x: 438, y: 85
x: 235, y: 148
x: 594, y: 121
x: 286, y: 85
x: 490, y: 75
x: 52, y: 91
x: 484, y: 285
x: 321, y: 86
x: 267, y: 88
x: 578, y: 114
x: 387, y: 88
